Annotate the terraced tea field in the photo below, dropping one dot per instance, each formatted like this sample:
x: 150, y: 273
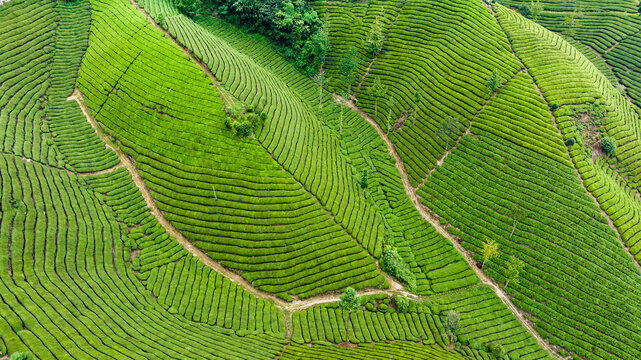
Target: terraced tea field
x: 173, y: 186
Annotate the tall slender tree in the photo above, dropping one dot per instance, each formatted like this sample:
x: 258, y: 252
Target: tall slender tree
x: 321, y: 81
x: 348, y: 66
x: 513, y: 270
x: 377, y: 90
x: 374, y: 41
x: 390, y: 104
x: 490, y: 249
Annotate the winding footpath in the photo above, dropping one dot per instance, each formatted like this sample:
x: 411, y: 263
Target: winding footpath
x: 424, y: 211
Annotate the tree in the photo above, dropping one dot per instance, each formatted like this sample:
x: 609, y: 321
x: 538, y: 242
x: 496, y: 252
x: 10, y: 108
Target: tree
x: 447, y: 129
x: 377, y: 90
x: 312, y: 54
x: 490, y: 249
x: 393, y: 264
x: 349, y: 301
x: 390, y: 104
x: 512, y: 270
x: 571, y: 22
x: 535, y: 9
x: 608, y: 145
x: 493, y: 81
x: 517, y: 213
x: 187, y: 7
x: 452, y: 324
x: 348, y: 65
x: 321, y: 81
x: 363, y: 180
x: 374, y: 41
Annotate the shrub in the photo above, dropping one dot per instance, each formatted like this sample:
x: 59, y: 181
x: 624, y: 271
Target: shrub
x: 524, y: 9
x: 570, y: 142
x: 452, y: 323
x: 349, y: 300
x: 554, y: 107
x: 608, y: 145
x: 402, y: 303
x: 497, y: 350
x: 241, y: 128
x: 393, y: 264
x: 25, y: 355
x: 382, y: 307
x: 369, y: 306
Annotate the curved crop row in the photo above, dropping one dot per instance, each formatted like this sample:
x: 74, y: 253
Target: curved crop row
x: 578, y: 284
x: 179, y: 281
x: 613, y: 184
x: 25, y: 51
x: 625, y: 58
x: 389, y: 215
x: 484, y: 319
x: 77, y: 297
x: 222, y: 192
x: 431, y: 42
x: 582, y: 5
x: 398, y: 350
x: 321, y: 324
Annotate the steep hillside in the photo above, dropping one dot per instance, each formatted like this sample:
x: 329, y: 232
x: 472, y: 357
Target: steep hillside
x: 173, y: 186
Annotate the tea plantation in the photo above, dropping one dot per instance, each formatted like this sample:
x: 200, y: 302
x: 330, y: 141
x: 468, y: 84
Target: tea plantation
x: 460, y: 180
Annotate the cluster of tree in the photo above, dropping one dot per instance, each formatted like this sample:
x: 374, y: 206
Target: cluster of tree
x: 292, y: 25
x: 393, y: 264
x: 513, y: 266
x: 244, y: 121
x: 531, y: 9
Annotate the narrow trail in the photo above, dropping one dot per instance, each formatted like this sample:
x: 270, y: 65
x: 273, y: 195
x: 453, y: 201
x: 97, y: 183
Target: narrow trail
x: 286, y: 307
x: 295, y: 305
x: 425, y: 213
x: 101, y: 172
x: 224, y: 94
x: 389, y: 29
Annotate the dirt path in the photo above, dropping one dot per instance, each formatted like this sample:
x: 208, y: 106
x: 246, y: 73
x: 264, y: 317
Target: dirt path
x: 424, y: 211
x: 389, y: 29
x: 296, y: 305
x: 101, y: 172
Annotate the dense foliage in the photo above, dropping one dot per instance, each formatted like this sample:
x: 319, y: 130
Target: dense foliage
x: 292, y: 25
x: 393, y: 264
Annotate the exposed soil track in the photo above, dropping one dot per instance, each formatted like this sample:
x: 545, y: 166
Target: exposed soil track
x: 425, y: 213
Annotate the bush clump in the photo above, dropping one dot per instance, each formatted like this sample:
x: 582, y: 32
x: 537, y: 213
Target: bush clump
x: 243, y: 122
x: 608, y: 145
x: 393, y: 264
x: 570, y: 142
x: 293, y: 26
x: 402, y: 303
x: 497, y: 350
x: 25, y: 355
